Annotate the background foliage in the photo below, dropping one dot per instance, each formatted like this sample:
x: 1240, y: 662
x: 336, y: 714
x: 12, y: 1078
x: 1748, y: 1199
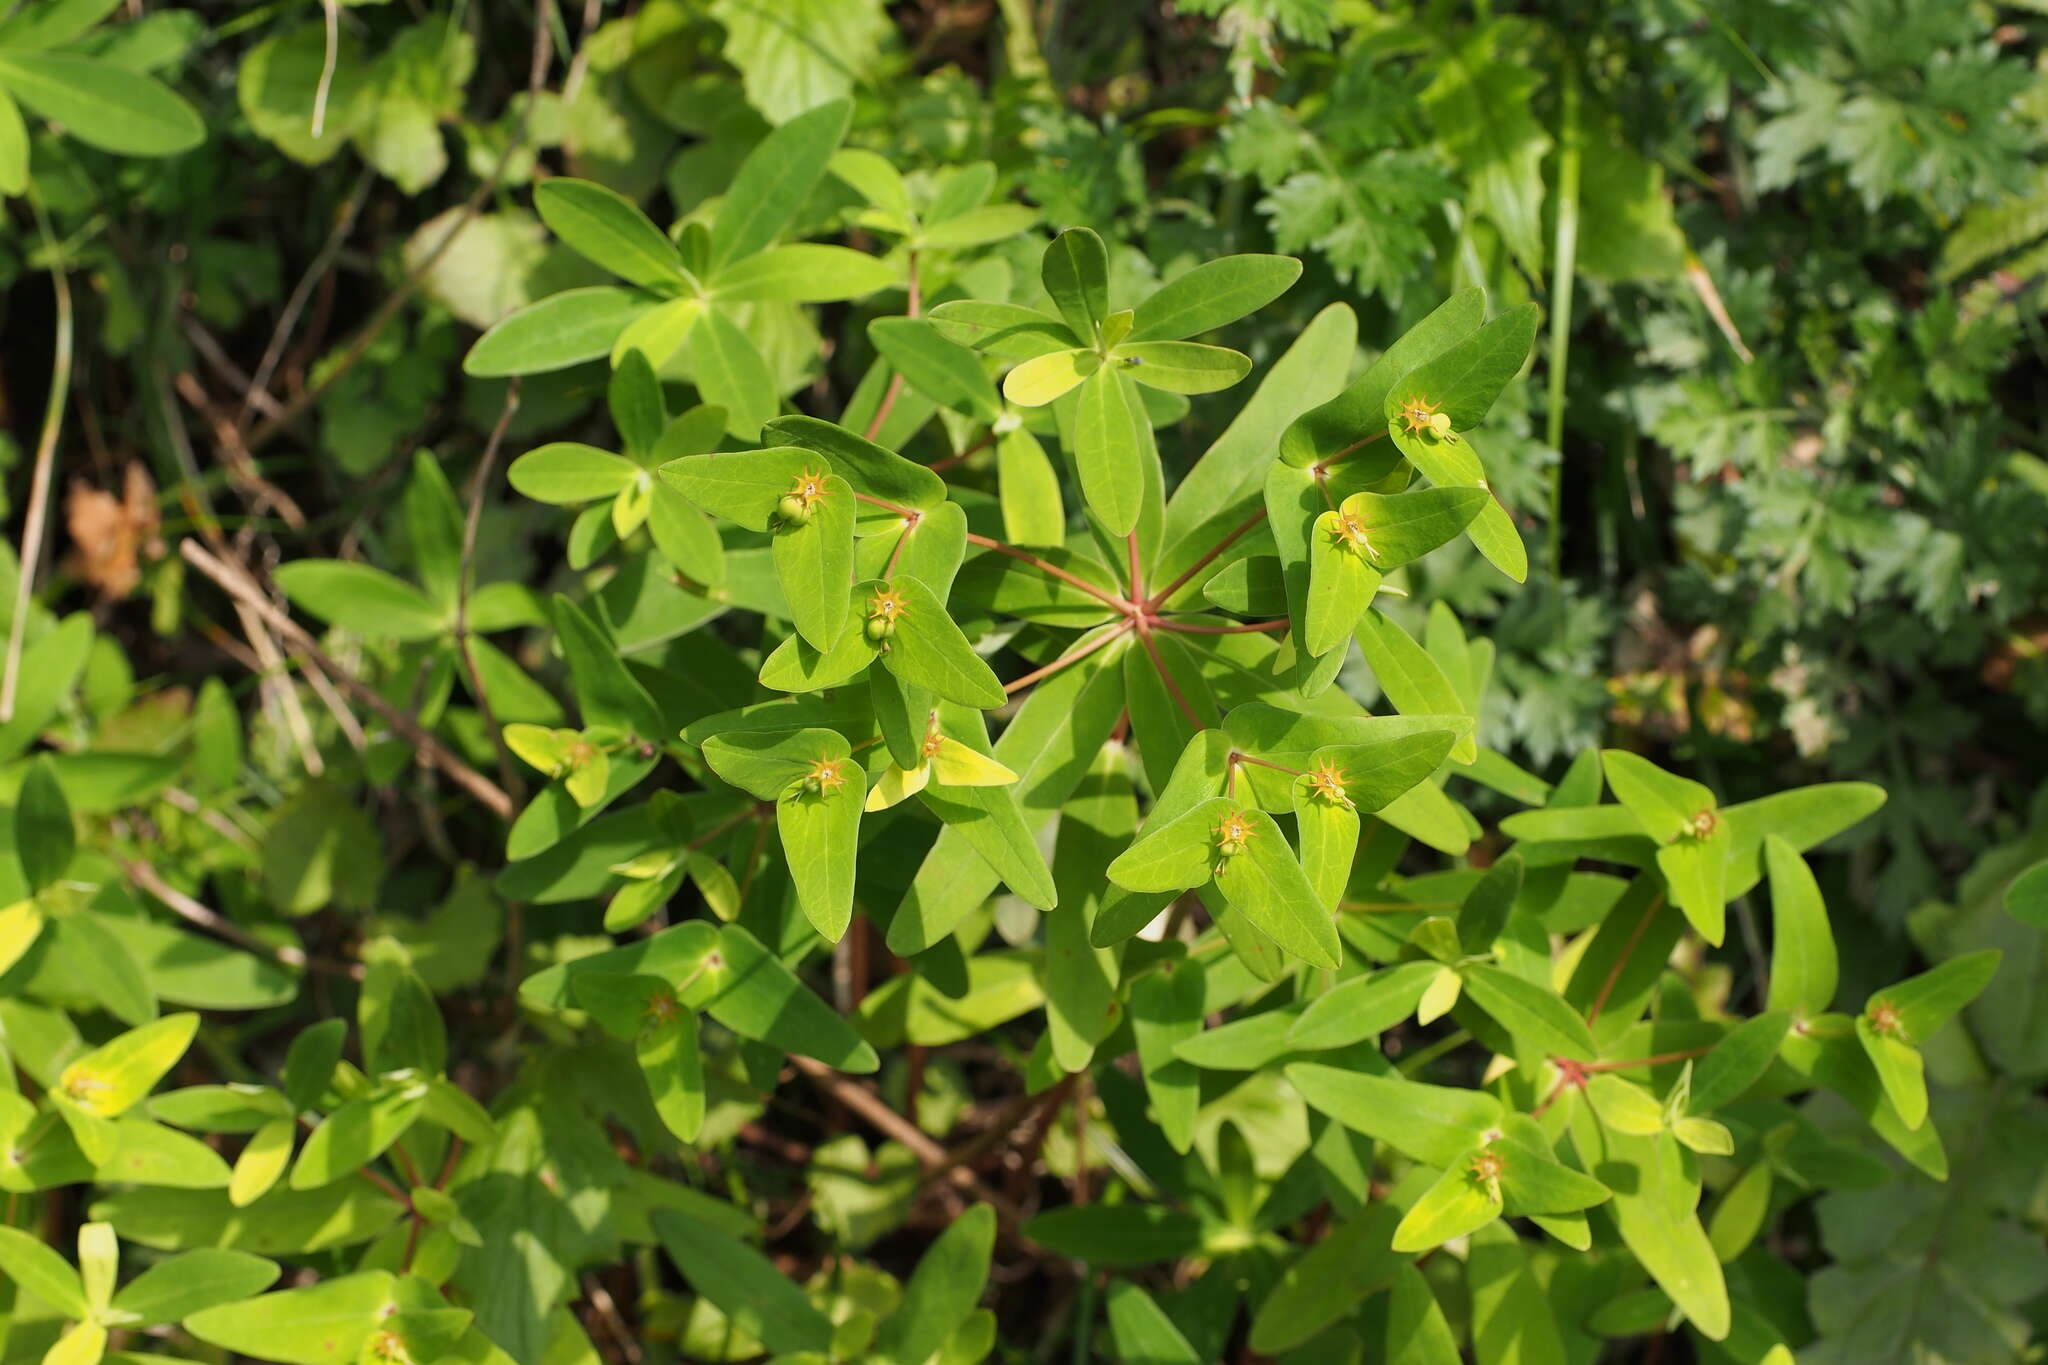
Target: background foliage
x: 1774, y: 463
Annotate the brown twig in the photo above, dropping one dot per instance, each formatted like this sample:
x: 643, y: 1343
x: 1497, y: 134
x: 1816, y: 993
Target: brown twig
x: 888, y: 402
x: 237, y: 585
x: 258, y: 392
x: 146, y: 878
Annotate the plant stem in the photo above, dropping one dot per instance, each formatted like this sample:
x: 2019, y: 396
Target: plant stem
x: 1187, y: 628
x: 1563, y: 269
x: 896, y: 380
x: 1067, y: 660
x: 1160, y: 598
x: 508, y: 771
x: 46, y: 457
x: 1165, y: 676
x: 1053, y: 570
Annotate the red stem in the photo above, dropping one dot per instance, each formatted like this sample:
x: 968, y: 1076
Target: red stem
x: 1137, y: 584
x: 1185, y: 628
x: 1627, y: 951
x: 1067, y: 660
x: 1042, y: 566
x: 896, y: 380
x: 1660, y: 1059
x: 1164, y: 594
x: 1172, y: 687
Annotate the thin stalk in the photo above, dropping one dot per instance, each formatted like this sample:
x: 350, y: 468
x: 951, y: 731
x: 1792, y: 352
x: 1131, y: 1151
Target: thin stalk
x: 1563, y: 269
x: 46, y: 459
x: 1052, y: 570
x: 1067, y: 660
x: 1160, y: 598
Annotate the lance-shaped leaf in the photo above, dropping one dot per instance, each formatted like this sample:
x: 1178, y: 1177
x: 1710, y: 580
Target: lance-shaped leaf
x: 814, y: 559
x: 1034, y: 512
x: 1179, y: 855
x: 1377, y: 774
x: 804, y: 272
x: 818, y: 817
x: 44, y: 837
x: 1432, y: 1124
x: 174, y: 1289
x: 356, y: 1134
x: 1249, y: 587
x: 328, y: 1323
x: 1803, y: 963
x: 1043, y: 378
x: 745, y: 1285
x: 1181, y: 366
x: 928, y: 650
x: 666, y: 1049
x: 1341, y: 584
x: 772, y: 183
x: 1533, y: 1182
x: 1655, y: 1211
x: 1463, y: 380
x: 1007, y: 331
x: 1262, y: 879
x: 1486, y: 907
x: 1166, y: 1011
x: 1109, y: 453
x: 873, y: 470
x: 743, y: 486
x: 1921, y: 1004
x: 1326, y: 823
x: 1211, y: 295
x: 1453, y: 463
x: 263, y: 1160
x: 732, y: 373
x: 1696, y: 868
x: 1537, y: 1017
x: 943, y: 1290
x: 1400, y: 528
x: 566, y: 473
x: 1075, y: 272
x: 1081, y: 1005
x: 32, y: 1265
x: 1465, y: 1198
x: 1354, y: 1010
x: 942, y: 370
x: 1802, y: 817
x: 1667, y: 805
x: 1143, y: 1333
x: 559, y: 331
x: 609, y: 230
x: 111, y: 1078
x: 657, y: 334
x: 793, y: 666
x: 1358, y: 414
x: 1737, y: 1062
x: 757, y: 997
x: 1413, y: 681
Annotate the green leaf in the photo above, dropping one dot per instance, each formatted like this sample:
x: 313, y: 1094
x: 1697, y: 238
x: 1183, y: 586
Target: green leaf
x: 174, y: 1289
x: 1178, y: 855
x: 565, y: 473
x: 814, y: 562
x: 775, y: 179
x: 1042, y: 378
x: 559, y: 331
x: 1378, y: 774
x: 356, y: 1134
x: 1803, y: 967
x: 745, y: 1285
x: 1535, y: 1016
x: 1267, y: 884
x: 742, y: 486
x: 1166, y: 1009
x: 1114, y: 1237
x: 1900, y: 1070
x: 1925, y: 1002
x: 1109, y: 452
x: 13, y: 147
x: 2026, y: 899
x: 263, y: 1159
x: 928, y: 650
x: 310, y: 1061
x: 1654, y: 1208
x: 1697, y: 870
x: 1738, y: 1061
x: 1212, y: 294
x: 871, y: 469
x: 1144, y: 1335
x: 1180, y: 366
x: 323, y: 1324
x: 33, y: 1266
x: 1034, y: 512
x: 1358, y: 414
x: 1433, y: 1124
x: 1740, y: 1215
x: 1354, y: 1010
x: 1486, y: 907
x: 757, y: 997
x: 1326, y: 826
x: 114, y: 109
x: 44, y: 838
x: 1534, y: 1182
x: 820, y: 834
x: 1666, y: 804
x: 666, y: 1049
x: 804, y: 272
x: 1464, y: 379
x: 1341, y: 584
x: 942, y: 1291
x: 609, y: 230
x: 1460, y: 1203
x: 1417, y: 1332
x: 1803, y: 817
x: 362, y: 599
x: 1075, y: 272
x: 1413, y: 681
x: 1007, y: 331
x: 1403, y: 527
x: 113, y: 1077
x: 944, y: 371
x: 732, y: 374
